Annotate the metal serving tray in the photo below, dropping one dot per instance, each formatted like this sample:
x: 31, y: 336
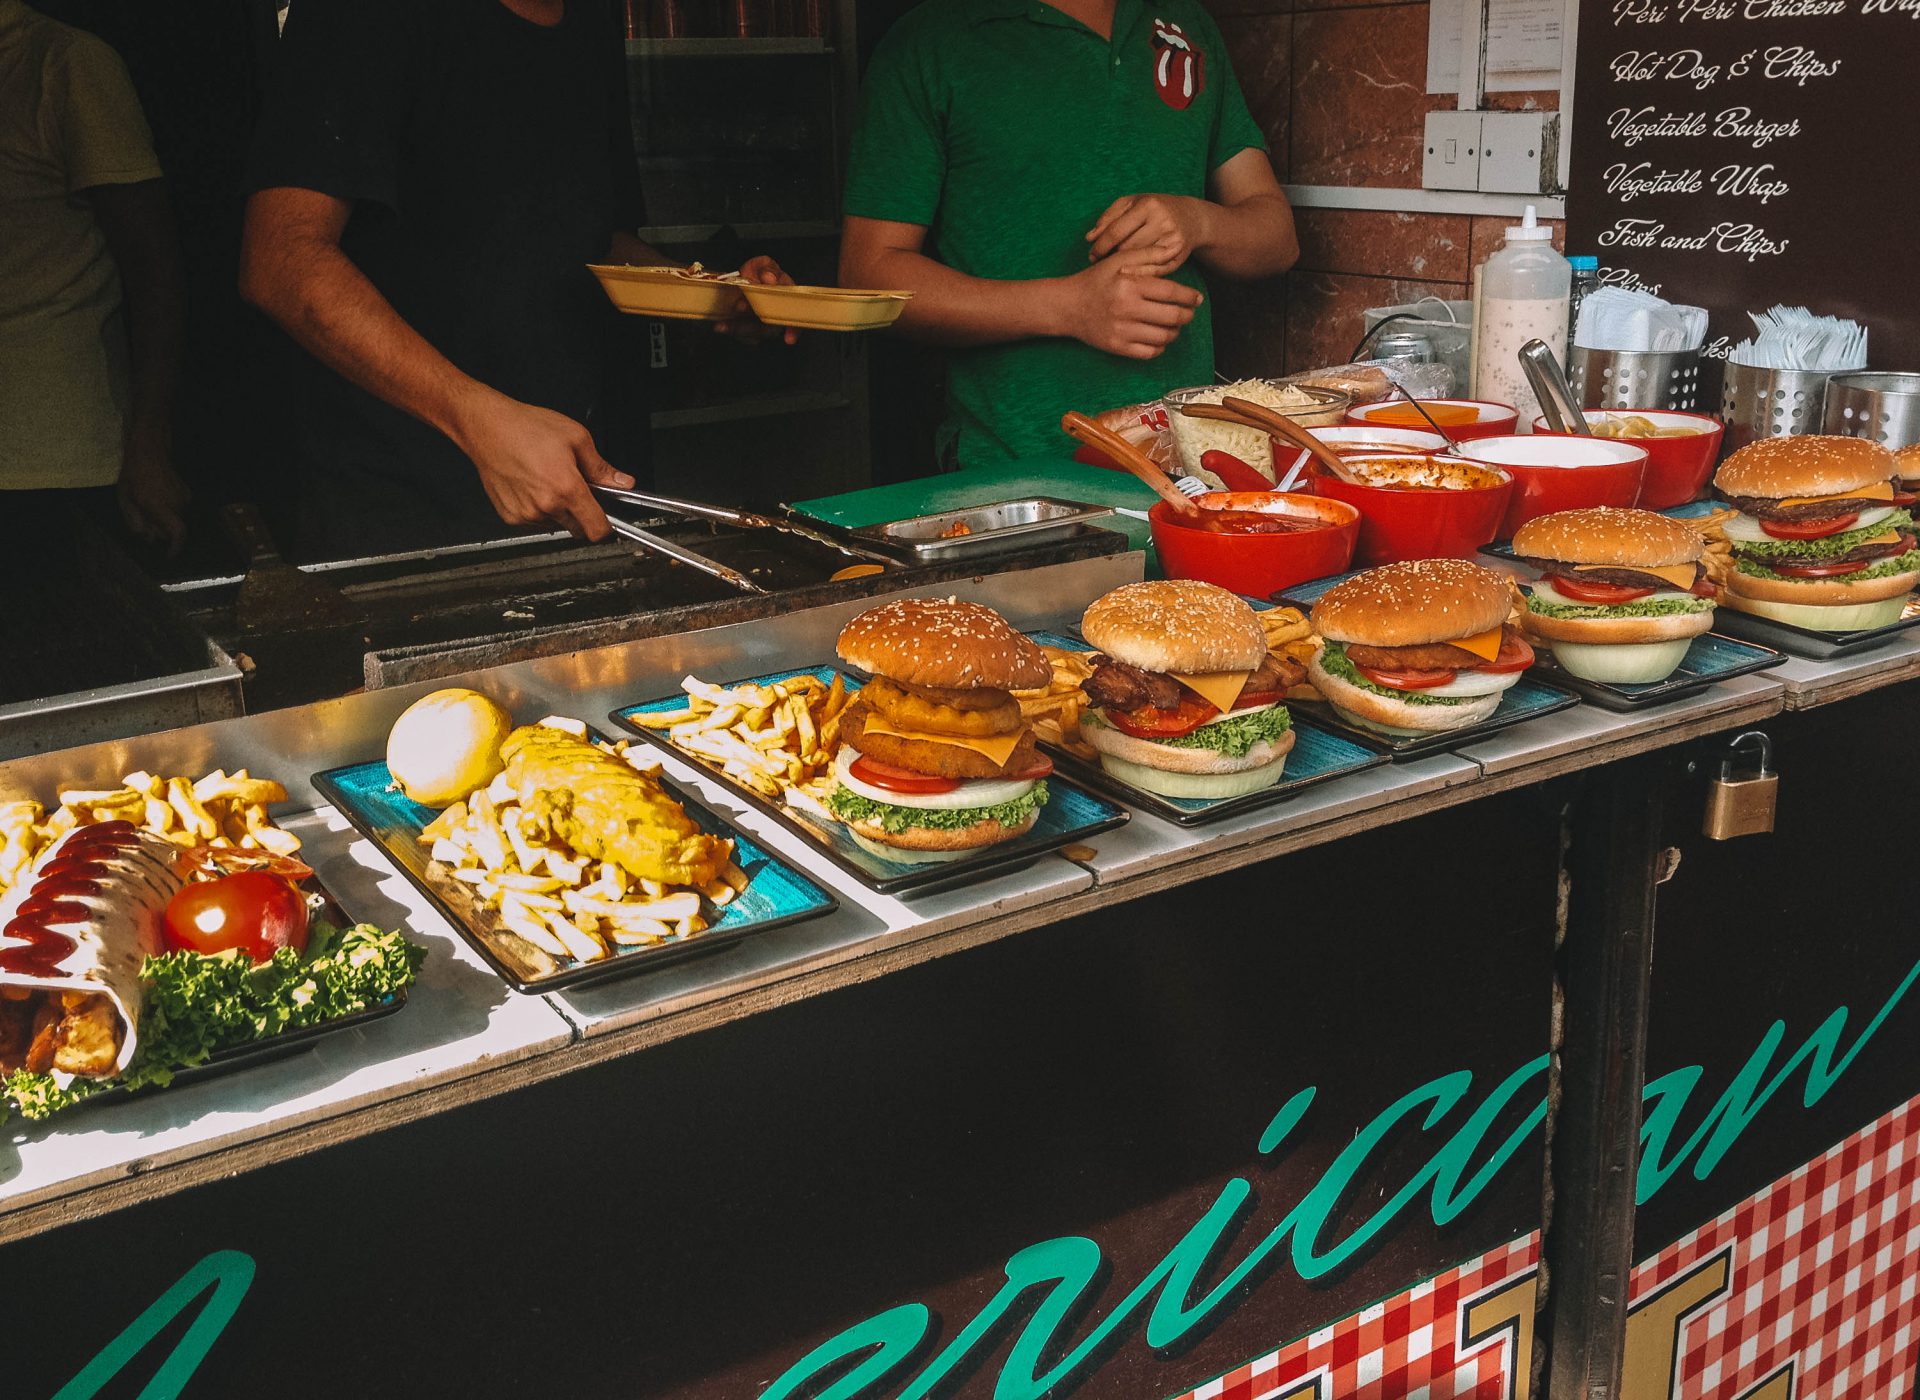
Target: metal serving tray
x: 990, y: 529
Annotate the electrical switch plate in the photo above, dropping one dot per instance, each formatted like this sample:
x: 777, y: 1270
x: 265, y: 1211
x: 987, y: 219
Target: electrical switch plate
x: 1451, y: 153
x: 1519, y: 152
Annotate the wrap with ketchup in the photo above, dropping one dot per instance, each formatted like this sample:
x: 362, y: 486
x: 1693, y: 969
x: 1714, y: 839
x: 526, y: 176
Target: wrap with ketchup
x: 74, y: 931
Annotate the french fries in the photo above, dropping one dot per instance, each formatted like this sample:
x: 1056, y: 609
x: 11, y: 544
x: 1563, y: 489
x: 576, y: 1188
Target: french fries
x: 565, y: 905
x: 1718, y: 560
x: 1054, y: 709
x: 775, y: 738
x: 224, y: 810
x: 1289, y: 633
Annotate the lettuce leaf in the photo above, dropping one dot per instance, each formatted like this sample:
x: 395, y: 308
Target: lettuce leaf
x: 1232, y: 736
x: 1823, y: 549
x: 1333, y: 660
x: 1879, y: 568
x: 850, y: 806
x: 197, y: 1004
x: 1646, y: 607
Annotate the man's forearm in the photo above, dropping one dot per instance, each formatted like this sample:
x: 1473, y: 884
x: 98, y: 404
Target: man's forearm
x: 1253, y: 238
x: 950, y: 308
x: 321, y: 299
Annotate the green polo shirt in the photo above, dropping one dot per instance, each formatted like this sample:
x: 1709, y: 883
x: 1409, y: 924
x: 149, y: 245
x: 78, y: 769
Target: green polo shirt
x: 1006, y: 128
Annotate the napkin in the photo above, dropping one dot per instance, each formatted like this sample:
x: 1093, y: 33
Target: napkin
x: 1793, y: 338
x: 1614, y: 318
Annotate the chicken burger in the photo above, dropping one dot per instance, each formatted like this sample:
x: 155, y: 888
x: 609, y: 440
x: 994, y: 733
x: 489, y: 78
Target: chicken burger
x: 1621, y: 594
x: 1418, y: 648
x: 1822, y: 539
x: 1184, y: 699
x: 935, y: 758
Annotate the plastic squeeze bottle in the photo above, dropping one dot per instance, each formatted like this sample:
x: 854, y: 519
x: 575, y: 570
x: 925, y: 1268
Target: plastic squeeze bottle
x: 1524, y: 286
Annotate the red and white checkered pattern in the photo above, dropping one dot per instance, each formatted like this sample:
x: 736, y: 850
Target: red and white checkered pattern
x: 1825, y: 1274
x: 1406, y: 1347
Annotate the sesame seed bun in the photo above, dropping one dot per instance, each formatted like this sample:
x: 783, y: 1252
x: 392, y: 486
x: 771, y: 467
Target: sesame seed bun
x: 1631, y: 539
x: 1416, y: 603
x: 1804, y: 466
x: 945, y: 644
x: 1907, y: 462
x: 1178, y: 625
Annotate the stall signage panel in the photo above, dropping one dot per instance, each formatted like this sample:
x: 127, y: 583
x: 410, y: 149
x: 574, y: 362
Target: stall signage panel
x: 1735, y: 154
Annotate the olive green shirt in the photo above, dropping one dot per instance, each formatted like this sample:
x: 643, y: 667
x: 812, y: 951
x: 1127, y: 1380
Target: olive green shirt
x: 1006, y: 128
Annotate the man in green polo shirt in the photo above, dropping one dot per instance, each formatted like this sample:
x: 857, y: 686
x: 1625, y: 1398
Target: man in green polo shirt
x: 1043, y: 178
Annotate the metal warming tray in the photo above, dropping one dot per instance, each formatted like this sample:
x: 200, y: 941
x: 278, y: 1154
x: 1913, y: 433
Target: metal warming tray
x: 950, y: 536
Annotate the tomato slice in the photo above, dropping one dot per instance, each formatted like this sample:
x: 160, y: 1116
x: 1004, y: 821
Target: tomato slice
x: 255, y: 911
x: 1903, y: 499
x: 885, y: 775
x: 1515, y: 654
x: 1604, y: 595
x: 1252, y: 698
x: 1705, y: 587
x: 1042, y: 767
x: 1151, y: 722
x: 1405, y: 680
x: 1810, y: 529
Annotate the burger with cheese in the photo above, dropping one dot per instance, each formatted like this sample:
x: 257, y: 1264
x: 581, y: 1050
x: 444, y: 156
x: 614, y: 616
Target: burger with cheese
x: 1906, y: 462
x: 1184, y: 699
x: 1823, y: 539
x: 1418, y: 648
x: 935, y: 759
x: 1621, y: 594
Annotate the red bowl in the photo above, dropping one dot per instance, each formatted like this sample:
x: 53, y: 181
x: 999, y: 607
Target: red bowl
x: 1562, y: 473
x: 1348, y: 441
x: 1396, y: 523
x: 1678, y: 468
x: 1494, y: 420
x: 1256, y: 565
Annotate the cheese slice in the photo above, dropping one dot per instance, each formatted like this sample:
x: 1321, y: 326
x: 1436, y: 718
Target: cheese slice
x: 1486, y: 645
x: 998, y: 749
x: 1220, y: 689
x: 1679, y: 575
x: 1890, y: 537
x: 1879, y: 491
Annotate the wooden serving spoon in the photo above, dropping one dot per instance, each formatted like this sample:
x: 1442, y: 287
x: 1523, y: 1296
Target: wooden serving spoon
x: 1125, y: 454
x: 1277, y: 424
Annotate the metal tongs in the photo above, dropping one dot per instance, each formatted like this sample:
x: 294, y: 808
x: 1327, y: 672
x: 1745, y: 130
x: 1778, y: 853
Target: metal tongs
x: 713, y: 568
x: 748, y: 520
x: 1550, y: 387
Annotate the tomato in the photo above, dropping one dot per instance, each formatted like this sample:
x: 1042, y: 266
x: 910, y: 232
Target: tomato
x: 885, y: 775
x: 1150, y: 722
x: 1809, y: 529
x: 1514, y: 655
x: 1604, y: 595
x: 1903, y: 499
x: 1041, y: 767
x: 1405, y: 680
x: 1252, y: 698
x: 255, y: 911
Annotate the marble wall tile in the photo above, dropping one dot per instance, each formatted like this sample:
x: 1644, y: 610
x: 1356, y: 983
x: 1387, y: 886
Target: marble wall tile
x: 1324, y: 319
x: 1261, y: 49
x: 1381, y: 243
x: 1358, y: 102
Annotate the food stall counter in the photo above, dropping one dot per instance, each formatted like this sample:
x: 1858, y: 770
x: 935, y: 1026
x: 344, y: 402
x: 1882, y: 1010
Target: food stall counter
x: 1810, y: 683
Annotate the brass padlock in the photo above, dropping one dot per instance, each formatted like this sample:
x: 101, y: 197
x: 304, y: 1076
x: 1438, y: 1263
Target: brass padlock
x: 1743, y: 805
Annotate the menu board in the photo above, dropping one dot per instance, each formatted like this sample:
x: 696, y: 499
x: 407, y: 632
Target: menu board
x: 1735, y: 154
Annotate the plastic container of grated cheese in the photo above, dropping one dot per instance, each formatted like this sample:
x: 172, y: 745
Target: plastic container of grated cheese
x: 1194, y: 437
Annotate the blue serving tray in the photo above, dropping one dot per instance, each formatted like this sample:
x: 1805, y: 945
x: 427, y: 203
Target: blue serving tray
x: 776, y: 893
x: 1072, y: 814
x: 1710, y: 660
x: 1318, y: 756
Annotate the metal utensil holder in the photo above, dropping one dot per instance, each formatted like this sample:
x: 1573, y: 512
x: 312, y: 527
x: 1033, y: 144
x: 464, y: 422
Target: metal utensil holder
x: 1760, y: 403
x: 1615, y: 379
x: 1883, y: 408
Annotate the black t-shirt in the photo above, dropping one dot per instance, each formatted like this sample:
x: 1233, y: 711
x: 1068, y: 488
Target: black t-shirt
x: 488, y: 159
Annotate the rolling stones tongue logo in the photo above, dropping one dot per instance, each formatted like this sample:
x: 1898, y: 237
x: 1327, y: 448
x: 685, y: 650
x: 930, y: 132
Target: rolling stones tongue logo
x: 1179, y: 67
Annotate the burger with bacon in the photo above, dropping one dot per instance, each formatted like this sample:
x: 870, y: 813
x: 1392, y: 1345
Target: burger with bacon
x: 1185, y: 696
x: 1418, y: 648
x: 936, y: 759
x: 1621, y: 594
x: 1823, y: 538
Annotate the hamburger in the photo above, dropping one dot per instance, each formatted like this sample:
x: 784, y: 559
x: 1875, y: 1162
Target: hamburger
x: 1822, y: 539
x: 1622, y: 593
x: 1418, y: 648
x: 1184, y: 699
x: 935, y: 758
x: 1906, y: 462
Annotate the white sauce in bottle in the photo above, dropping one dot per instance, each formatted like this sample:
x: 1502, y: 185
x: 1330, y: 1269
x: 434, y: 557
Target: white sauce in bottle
x: 1524, y: 288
